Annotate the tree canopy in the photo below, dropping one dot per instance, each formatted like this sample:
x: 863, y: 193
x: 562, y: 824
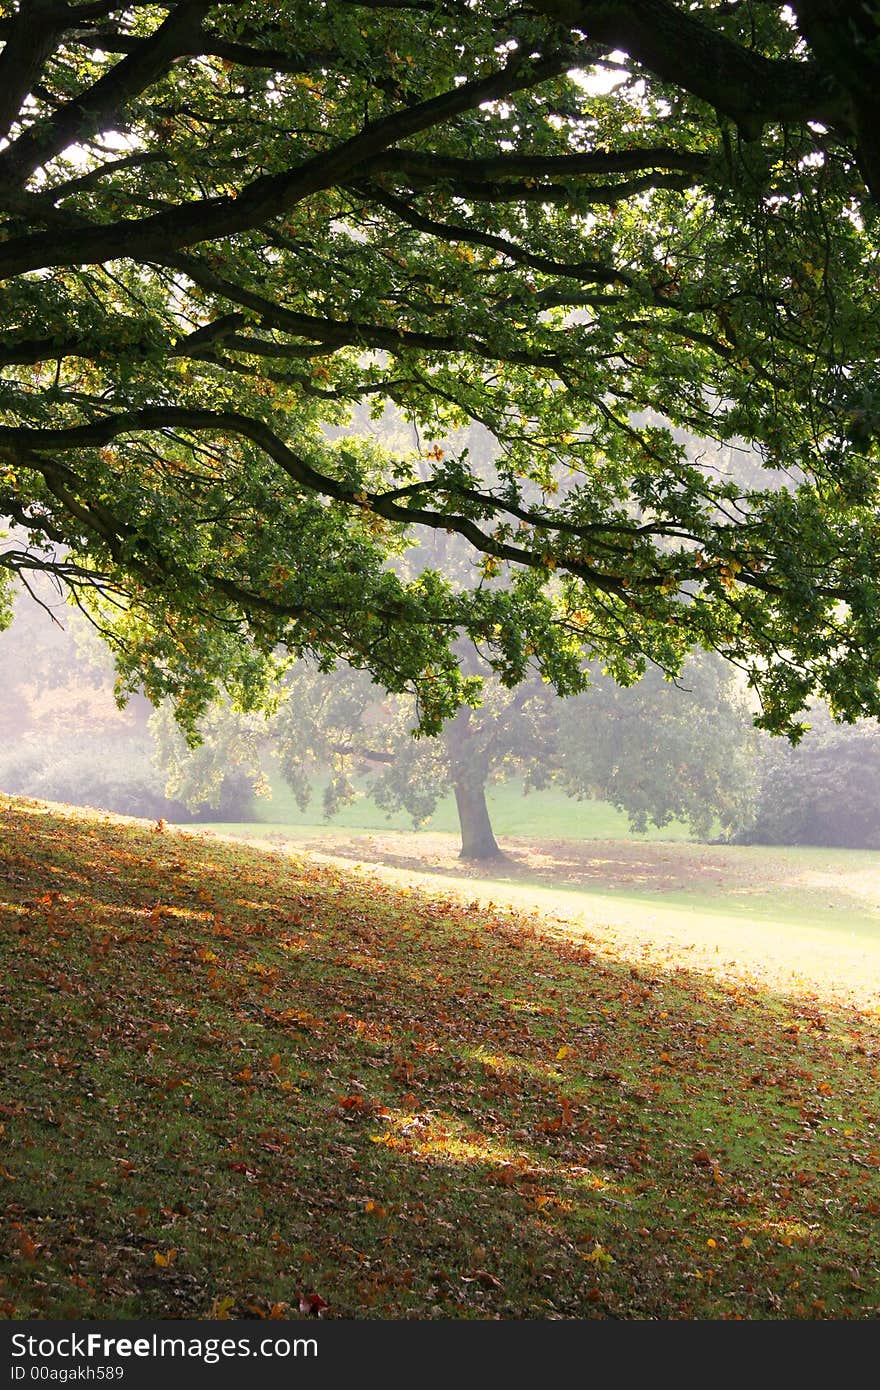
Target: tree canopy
x: 587, y: 225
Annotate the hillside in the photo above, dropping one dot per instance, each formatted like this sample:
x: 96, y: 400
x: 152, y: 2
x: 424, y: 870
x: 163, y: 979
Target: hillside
x: 231, y: 1080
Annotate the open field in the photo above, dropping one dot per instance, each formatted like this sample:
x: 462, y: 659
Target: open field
x: 547, y: 814
x: 231, y: 1078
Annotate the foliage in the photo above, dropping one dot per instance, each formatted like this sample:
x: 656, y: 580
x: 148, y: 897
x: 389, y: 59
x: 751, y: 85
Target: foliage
x: 7, y: 591
x: 223, y: 228
x: 218, y: 778
x: 341, y: 724
x: 233, y: 1080
x: 662, y: 752
x: 657, y: 751
x: 825, y: 792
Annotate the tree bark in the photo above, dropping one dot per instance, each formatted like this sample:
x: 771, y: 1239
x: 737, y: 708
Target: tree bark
x: 477, y: 837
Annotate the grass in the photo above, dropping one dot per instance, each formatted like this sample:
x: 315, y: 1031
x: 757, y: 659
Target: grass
x: 547, y: 814
x: 231, y: 1079
x: 807, y: 919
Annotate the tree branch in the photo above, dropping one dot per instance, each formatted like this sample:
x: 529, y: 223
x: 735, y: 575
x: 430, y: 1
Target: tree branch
x: 102, y: 432
x: 588, y: 272
x: 152, y: 238
x: 29, y: 40
x: 88, y: 112
x: 679, y: 48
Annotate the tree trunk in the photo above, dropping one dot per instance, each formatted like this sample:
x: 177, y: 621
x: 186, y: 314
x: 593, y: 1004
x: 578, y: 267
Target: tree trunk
x: 477, y: 838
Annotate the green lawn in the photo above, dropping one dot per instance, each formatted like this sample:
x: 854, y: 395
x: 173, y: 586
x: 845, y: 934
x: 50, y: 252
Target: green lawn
x: 542, y: 815
x: 230, y: 1079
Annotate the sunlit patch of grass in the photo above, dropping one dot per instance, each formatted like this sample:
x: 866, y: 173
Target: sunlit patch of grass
x: 515, y: 1067
x: 440, y: 1142
x: 787, y: 1231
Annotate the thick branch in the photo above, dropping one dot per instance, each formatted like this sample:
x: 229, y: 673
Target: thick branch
x: 436, y: 167
x: 572, y: 194
x: 80, y: 118
x: 153, y: 238
x: 681, y: 49
x: 845, y: 36
x: 29, y: 41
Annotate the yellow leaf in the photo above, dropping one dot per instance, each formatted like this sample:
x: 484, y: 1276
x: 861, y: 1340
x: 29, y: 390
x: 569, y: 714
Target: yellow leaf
x: 563, y: 1053
x: 599, y: 1256
x: 163, y: 1261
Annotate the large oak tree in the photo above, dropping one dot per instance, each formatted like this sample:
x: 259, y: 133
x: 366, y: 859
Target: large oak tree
x: 584, y: 224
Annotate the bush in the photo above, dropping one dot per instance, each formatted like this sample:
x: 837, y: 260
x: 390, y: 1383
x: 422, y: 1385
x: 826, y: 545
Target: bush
x: 110, y: 773
x: 234, y: 801
x: 824, y: 792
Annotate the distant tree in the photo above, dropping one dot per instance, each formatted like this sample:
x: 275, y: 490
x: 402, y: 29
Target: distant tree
x: 341, y: 730
x: 656, y: 751
x: 826, y: 791
x: 509, y: 733
x: 221, y: 775
x: 662, y: 751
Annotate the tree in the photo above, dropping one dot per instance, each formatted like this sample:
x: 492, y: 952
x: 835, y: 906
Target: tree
x: 226, y: 225
x: 338, y: 725
x: 657, y: 751
x: 340, y: 729
x: 826, y: 791
x: 664, y: 752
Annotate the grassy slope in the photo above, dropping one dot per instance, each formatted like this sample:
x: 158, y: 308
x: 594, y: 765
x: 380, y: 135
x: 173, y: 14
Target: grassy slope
x: 228, y: 1079
x: 788, y: 920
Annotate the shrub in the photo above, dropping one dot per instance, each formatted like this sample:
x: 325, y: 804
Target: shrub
x: 110, y: 773
x: 824, y: 792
